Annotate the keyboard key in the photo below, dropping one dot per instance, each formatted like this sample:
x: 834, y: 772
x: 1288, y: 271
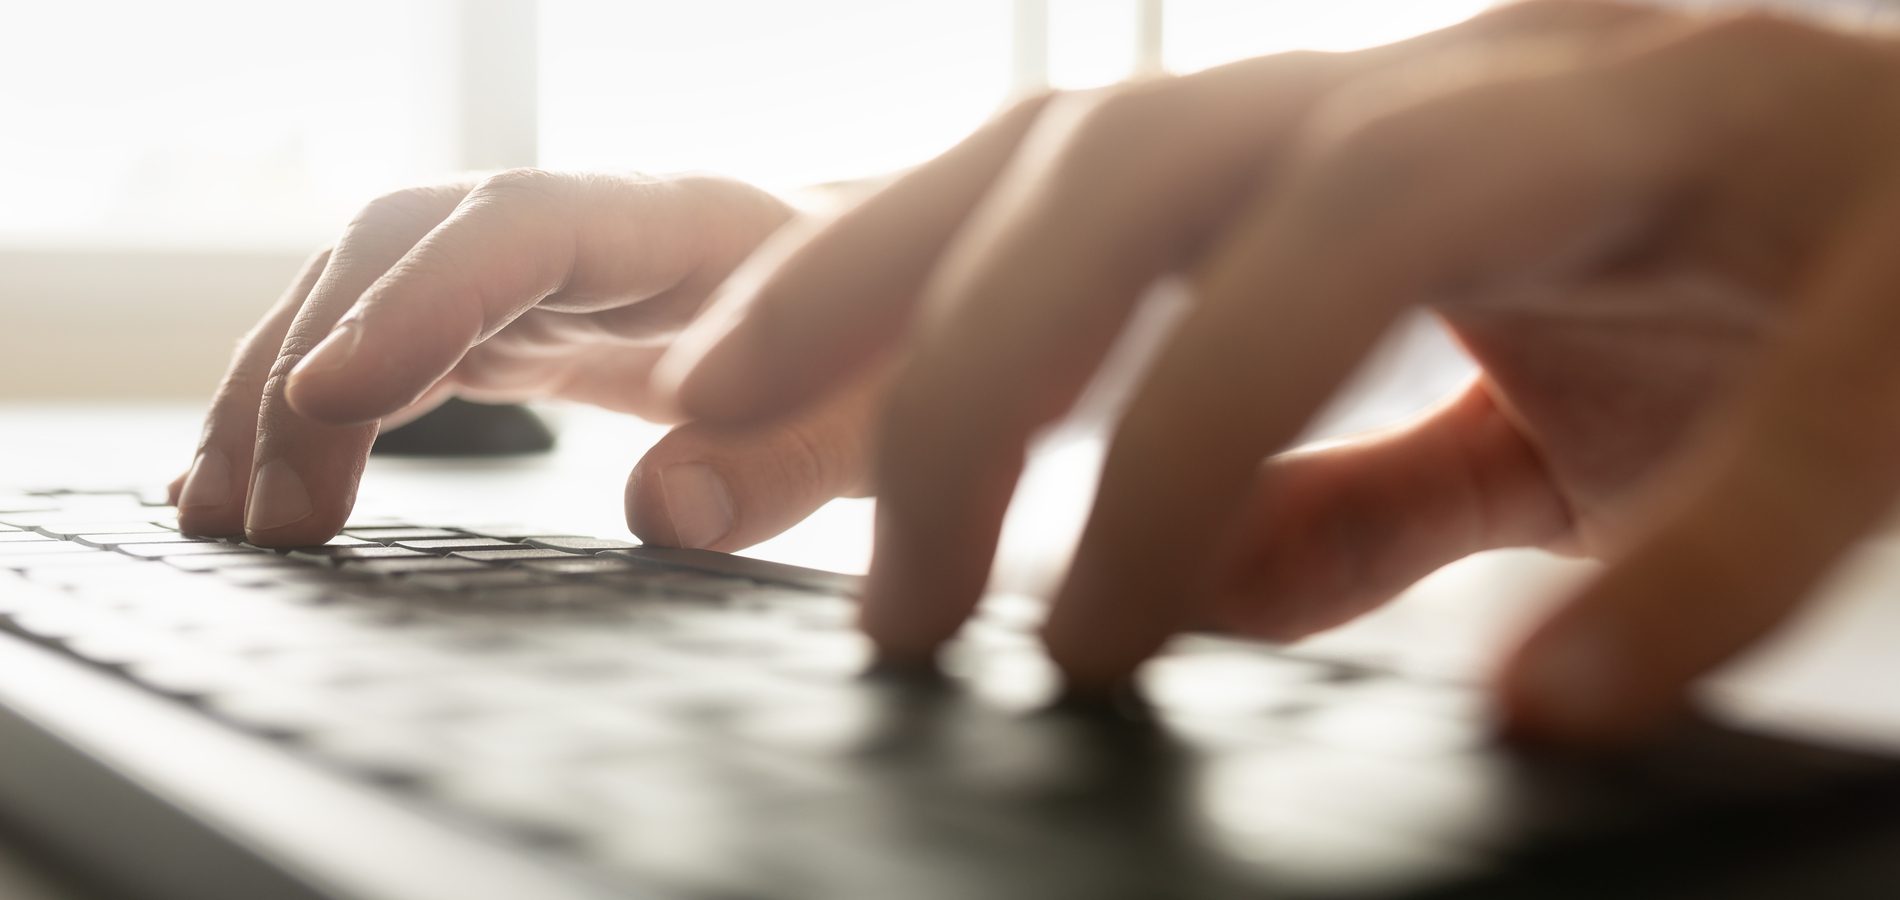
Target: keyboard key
x: 553, y: 734
x: 162, y: 551
x: 461, y: 542
x: 345, y: 554
x: 1388, y: 729
x: 77, y: 529
x: 415, y: 565
x: 546, y: 597
x: 24, y: 537
x: 157, y: 536
x: 24, y: 549
x: 401, y: 533
x: 396, y: 755
x: 590, y: 565
x: 524, y: 554
x: 207, y: 563
x: 576, y: 544
x: 191, y: 674
x: 742, y: 567
x: 48, y: 567
x: 480, y: 577
x: 295, y: 573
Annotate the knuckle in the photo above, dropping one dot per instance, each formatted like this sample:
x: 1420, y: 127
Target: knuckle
x: 1753, y: 29
x: 401, y: 208
x: 1531, y: 13
x: 1112, y: 125
x: 1358, y: 168
x: 521, y: 185
x: 810, y: 458
x: 1034, y: 104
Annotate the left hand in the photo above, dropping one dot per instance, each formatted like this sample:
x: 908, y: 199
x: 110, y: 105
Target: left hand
x: 1667, y: 240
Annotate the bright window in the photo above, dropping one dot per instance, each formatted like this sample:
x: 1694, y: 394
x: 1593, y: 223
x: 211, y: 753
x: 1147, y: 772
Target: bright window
x: 781, y: 94
x: 240, y: 123
x: 215, y: 121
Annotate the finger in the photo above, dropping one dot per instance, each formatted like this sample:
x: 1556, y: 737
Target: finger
x: 1034, y: 289
x: 1768, y: 505
x: 1332, y: 532
x: 833, y: 296
x: 1026, y: 303
x: 211, y: 495
x: 519, y: 238
x: 1489, y: 181
x: 303, y: 474
x: 827, y: 302
x: 726, y: 488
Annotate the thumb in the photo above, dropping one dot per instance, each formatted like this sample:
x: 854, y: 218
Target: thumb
x: 721, y: 487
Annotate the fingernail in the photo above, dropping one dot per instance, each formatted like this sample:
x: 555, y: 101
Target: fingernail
x: 278, y: 498
x: 332, y: 353
x: 697, y: 503
x: 209, y: 482
x: 1572, y: 684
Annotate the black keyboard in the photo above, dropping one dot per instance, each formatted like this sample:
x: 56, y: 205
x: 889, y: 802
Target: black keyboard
x: 710, y: 726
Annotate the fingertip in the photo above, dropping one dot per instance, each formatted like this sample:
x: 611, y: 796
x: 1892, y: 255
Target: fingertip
x: 1085, y: 669
x: 1575, y: 686
x: 210, y: 502
x: 901, y: 640
x: 647, y: 514
x: 211, y: 521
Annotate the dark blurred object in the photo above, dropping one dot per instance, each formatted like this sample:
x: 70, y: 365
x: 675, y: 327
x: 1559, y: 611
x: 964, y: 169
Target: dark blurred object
x: 461, y: 428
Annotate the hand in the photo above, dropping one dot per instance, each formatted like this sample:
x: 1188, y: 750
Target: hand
x: 528, y: 284
x: 1668, y: 242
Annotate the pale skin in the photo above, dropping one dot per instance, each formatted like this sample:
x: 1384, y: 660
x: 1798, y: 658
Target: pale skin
x: 1666, y: 240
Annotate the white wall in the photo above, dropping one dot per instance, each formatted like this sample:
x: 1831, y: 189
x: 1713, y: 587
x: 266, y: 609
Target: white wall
x: 128, y: 324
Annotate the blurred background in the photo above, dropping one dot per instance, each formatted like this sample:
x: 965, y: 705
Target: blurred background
x: 165, y: 167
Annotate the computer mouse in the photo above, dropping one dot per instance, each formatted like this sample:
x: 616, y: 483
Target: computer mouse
x: 462, y: 428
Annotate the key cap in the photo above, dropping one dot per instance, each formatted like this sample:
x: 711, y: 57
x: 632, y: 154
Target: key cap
x: 462, y: 542
x: 400, y: 533
x: 24, y: 549
x: 122, y: 539
x: 207, y: 563
x: 17, y: 536
x: 576, y: 544
x: 48, y: 568
x: 76, y: 529
x: 590, y: 565
x: 418, y: 565
x: 739, y: 566
x: 481, y: 577
x: 161, y: 551
x: 545, y: 597
x: 344, y: 555
x: 524, y: 554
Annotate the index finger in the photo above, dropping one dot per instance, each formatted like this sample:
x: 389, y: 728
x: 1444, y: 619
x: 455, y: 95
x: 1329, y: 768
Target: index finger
x: 517, y: 240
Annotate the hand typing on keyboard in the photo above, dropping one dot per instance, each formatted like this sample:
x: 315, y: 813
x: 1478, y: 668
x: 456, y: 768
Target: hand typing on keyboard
x: 1667, y: 241
x: 528, y: 284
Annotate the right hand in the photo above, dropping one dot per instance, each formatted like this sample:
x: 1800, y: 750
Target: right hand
x: 528, y: 284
